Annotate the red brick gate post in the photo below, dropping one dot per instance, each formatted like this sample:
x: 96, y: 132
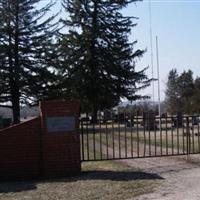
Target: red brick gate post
x: 60, y: 142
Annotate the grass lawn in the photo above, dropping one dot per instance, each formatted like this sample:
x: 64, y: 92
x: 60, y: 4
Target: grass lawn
x: 108, y: 180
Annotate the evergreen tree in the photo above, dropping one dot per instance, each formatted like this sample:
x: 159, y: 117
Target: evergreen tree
x: 25, y: 52
x: 196, y: 97
x: 173, y: 98
x: 98, y: 59
x: 180, y: 92
x: 186, y: 90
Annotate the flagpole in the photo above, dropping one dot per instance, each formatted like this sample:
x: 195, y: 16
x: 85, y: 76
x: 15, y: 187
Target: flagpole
x: 158, y: 76
x: 152, y: 54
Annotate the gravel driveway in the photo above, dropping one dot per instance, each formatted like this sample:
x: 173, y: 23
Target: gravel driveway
x: 181, y: 177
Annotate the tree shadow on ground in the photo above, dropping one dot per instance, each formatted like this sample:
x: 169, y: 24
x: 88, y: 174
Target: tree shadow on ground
x: 7, y: 187
x: 119, y: 175
x: 15, y: 187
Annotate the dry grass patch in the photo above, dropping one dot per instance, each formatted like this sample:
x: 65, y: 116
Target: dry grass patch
x: 100, y: 181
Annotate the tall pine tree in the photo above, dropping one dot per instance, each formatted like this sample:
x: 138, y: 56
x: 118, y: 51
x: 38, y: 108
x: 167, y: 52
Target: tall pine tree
x: 173, y: 98
x: 195, y: 108
x: 180, y: 92
x: 98, y: 61
x: 186, y: 90
x: 25, y: 44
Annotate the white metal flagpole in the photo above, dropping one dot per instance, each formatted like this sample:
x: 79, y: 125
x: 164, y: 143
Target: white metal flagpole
x: 158, y: 76
x: 151, y: 46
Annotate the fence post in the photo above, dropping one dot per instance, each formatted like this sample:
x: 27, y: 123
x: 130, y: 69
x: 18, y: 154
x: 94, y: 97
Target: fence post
x: 188, y: 135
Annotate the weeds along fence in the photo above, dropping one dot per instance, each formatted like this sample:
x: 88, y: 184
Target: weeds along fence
x: 139, y: 137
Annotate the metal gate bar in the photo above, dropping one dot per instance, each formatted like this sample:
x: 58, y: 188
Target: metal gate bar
x: 136, y: 137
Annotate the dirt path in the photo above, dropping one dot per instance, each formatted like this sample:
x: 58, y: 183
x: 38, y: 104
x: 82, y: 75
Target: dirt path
x: 181, y: 177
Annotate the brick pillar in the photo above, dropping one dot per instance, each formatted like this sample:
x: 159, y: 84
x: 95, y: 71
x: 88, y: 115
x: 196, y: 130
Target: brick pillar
x: 60, y: 138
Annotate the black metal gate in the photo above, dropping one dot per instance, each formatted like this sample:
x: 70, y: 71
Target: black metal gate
x: 139, y: 137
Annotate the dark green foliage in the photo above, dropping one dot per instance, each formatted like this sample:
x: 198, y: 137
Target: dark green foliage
x: 186, y: 91
x: 98, y: 59
x: 196, y: 96
x: 183, y: 93
x: 25, y: 53
x: 172, y: 93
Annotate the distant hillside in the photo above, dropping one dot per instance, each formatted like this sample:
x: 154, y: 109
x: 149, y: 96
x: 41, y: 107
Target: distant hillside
x: 29, y: 112
x: 26, y: 112
x: 5, y: 112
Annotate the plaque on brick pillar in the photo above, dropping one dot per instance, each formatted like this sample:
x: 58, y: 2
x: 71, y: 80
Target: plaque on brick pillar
x: 60, y: 124
x: 60, y: 138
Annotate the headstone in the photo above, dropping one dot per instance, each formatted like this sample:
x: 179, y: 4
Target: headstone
x: 120, y: 118
x: 149, y: 121
x: 178, y: 121
x: 194, y: 121
x: 130, y: 121
x: 107, y: 115
x: 164, y: 115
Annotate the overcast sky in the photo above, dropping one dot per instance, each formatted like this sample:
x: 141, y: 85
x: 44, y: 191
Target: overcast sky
x: 176, y: 23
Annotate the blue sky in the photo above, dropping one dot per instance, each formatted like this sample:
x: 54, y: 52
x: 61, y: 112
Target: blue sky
x: 176, y: 23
